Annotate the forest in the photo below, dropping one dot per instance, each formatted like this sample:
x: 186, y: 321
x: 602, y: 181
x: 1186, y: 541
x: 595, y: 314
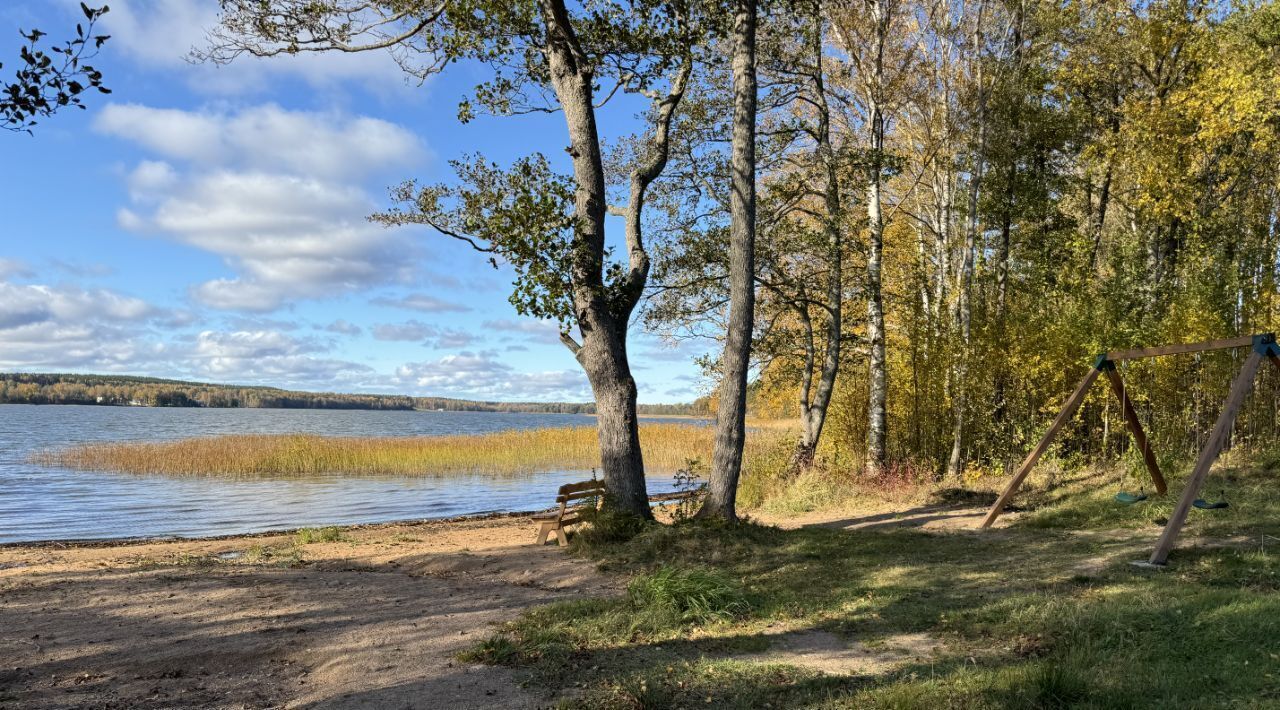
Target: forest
x: 960, y: 205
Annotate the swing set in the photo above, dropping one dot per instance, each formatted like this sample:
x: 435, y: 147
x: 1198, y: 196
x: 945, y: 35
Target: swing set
x: 1261, y: 346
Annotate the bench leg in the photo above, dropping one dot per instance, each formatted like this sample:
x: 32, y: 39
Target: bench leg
x: 543, y: 529
x: 564, y: 541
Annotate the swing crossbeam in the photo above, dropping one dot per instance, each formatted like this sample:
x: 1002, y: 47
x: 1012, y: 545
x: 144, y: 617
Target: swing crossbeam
x: 1262, y: 345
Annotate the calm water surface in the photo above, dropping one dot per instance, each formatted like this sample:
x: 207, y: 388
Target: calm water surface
x: 44, y: 503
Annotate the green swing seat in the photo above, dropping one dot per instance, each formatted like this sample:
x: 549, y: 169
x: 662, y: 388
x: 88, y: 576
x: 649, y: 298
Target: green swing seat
x: 1218, y: 504
x: 1130, y: 498
x: 1203, y: 504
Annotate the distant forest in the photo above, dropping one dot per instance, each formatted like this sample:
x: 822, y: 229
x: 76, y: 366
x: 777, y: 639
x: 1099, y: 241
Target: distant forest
x: 118, y: 390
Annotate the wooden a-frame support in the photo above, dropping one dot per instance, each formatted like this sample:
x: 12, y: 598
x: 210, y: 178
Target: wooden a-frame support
x: 1263, y: 345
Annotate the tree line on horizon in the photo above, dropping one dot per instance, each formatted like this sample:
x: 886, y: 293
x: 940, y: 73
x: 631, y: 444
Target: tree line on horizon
x: 124, y: 390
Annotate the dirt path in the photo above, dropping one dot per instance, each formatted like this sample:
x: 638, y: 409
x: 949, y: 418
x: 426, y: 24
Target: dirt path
x: 371, y: 621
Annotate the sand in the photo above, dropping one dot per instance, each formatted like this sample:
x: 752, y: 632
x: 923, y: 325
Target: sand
x: 372, y: 621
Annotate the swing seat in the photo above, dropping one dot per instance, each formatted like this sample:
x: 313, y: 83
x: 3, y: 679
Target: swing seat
x: 1130, y: 498
x: 1203, y: 504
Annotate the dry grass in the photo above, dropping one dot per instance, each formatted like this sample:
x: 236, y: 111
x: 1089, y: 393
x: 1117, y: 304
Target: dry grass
x: 666, y: 449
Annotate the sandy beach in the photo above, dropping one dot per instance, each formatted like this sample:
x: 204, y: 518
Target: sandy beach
x: 374, y: 620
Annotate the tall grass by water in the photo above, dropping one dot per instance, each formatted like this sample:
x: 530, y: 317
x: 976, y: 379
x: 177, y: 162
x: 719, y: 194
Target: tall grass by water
x: 667, y: 448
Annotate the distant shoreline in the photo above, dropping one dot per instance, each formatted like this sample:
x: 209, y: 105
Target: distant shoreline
x: 134, y: 391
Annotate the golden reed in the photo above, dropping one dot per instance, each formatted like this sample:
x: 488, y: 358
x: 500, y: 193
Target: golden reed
x: 666, y: 449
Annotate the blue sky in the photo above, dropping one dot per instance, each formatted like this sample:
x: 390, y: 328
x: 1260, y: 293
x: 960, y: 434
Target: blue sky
x: 209, y: 223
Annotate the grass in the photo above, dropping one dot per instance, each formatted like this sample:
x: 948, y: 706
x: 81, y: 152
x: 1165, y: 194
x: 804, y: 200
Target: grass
x: 1044, y: 614
x: 666, y: 448
x: 307, y: 536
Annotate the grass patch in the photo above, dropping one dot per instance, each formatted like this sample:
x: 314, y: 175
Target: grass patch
x: 307, y: 536
x: 1015, y: 621
x: 666, y: 449
x: 688, y: 595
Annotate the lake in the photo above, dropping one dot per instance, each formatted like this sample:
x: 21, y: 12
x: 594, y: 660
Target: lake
x: 45, y: 503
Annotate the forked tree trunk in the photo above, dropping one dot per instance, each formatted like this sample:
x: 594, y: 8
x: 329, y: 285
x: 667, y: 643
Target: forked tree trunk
x: 726, y: 462
x: 814, y: 409
x: 603, y: 352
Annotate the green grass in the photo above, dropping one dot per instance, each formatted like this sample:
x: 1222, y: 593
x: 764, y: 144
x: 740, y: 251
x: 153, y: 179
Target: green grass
x: 1044, y: 614
x: 687, y: 595
x: 307, y: 536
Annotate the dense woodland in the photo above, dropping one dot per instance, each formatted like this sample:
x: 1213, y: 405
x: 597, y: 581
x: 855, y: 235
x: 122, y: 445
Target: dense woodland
x: 998, y: 191
x: 116, y: 390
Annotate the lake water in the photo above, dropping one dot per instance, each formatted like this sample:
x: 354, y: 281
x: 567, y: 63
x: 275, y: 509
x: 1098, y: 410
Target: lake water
x: 44, y: 503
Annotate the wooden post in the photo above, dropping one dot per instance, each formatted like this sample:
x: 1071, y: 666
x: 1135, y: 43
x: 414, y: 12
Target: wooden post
x: 1068, y: 409
x: 1135, y: 428
x: 1217, y: 439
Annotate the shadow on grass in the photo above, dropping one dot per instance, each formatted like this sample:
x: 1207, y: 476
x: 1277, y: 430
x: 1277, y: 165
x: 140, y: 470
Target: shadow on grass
x: 1028, y: 618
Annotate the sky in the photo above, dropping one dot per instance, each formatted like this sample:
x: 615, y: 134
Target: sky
x: 209, y: 223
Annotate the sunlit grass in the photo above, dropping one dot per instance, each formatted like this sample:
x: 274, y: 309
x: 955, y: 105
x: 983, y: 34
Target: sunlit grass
x: 1024, y: 617
x: 667, y: 448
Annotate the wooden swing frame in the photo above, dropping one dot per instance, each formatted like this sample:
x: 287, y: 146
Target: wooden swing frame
x: 1262, y: 345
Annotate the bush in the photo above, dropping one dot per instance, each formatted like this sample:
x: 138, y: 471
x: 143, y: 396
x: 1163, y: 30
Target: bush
x: 688, y: 595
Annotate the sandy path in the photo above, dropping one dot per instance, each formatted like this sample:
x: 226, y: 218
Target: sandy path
x: 373, y: 621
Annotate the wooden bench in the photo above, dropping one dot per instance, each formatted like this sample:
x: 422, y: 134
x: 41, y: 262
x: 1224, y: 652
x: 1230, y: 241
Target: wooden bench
x: 565, y: 516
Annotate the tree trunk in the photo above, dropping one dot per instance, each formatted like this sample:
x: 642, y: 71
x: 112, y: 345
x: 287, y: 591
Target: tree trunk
x: 603, y: 353
x: 726, y: 462
x: 877, y: 377
x: 815, y: 409
x: 604, y: 357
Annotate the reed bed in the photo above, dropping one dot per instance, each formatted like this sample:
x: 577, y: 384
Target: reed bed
x: 667, y: 448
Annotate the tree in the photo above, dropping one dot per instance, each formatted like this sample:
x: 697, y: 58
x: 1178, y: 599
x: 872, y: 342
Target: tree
x: 802, y: 257
x: 726, y: 460
x: 47, y: 82
x: 546, y: 57
x: 865, y: 29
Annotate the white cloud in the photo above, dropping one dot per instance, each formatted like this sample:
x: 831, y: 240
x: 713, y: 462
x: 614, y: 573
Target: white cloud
x: 160, y: 34
x: 24, y: 305
x: 540, y: 331
x: 266, y: 137
x: 271, y: 192
x: 268, y: 356
x: 343, y: 327
x: 407, y: 331
x: 62, y: 327
x: 14, y: 268
x: 443, y: 338
x: 482, y: 376
x: 421, y: 302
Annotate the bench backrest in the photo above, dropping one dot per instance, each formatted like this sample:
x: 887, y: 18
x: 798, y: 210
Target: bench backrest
x: 578, y: 491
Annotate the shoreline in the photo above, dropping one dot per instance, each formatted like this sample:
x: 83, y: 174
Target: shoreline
x: 108, y: 542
